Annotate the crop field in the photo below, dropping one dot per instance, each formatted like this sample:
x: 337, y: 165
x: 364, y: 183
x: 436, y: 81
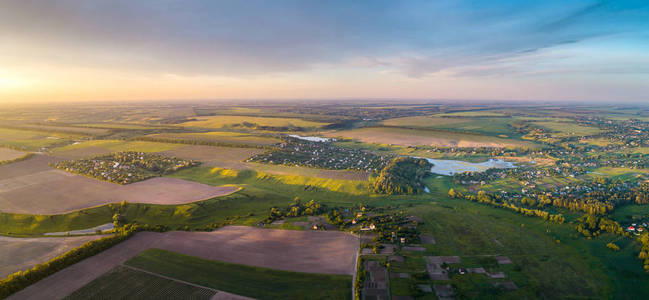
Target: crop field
x: 218, y: 137
x: 10, y: 154
x: 476, y: 113
x: 320, y: 252
x: 568, y: 129
x: 64, y: 129
x: 33, y: 140
x: 53, y: 191
x: 229, y: 121
x: 17, y: 254
x: 223, y: 157
x: 412, y: 137
x: 422, y: 121
x: 127, y: 283
x: 79, y: 149
x: 256, y: 282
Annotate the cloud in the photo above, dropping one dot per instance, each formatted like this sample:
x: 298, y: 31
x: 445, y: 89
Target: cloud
x: 260, y: 38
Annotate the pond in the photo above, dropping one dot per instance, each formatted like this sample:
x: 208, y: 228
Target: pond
x: 311, y: 138
x: 450, y: 167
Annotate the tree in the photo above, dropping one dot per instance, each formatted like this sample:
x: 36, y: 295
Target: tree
x: 451, y: 193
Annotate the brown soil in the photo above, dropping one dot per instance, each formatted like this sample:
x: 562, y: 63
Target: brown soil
x: 222, y: 157
x: 18, y: 254
x: 10, y: 154
x: 54, y: 192
x: 298, y: 251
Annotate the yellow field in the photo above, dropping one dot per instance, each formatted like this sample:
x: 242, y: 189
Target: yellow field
x: 226, y: 121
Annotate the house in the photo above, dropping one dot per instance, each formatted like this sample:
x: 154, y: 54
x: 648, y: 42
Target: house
x: 631, y: 228
x: 372, y: 227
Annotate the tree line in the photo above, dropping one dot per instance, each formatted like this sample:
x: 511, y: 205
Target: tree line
x: 403, y: 176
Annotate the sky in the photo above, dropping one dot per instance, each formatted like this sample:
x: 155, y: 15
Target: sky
x: 54, y: 51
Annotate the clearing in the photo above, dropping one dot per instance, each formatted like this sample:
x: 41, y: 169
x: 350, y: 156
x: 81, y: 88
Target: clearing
x: 18, y: 254
x: 322, y: 252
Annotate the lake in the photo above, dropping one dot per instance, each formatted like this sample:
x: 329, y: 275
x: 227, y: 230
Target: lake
x: 450, y: 167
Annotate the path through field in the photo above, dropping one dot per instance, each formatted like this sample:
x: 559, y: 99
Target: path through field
x: 328, y: 252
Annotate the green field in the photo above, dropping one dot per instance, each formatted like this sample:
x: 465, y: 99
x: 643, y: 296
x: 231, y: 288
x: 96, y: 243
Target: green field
x: 421, y: 137
x: 126, y: 283
x: 121, y: 146
x: 227, y: 121
x: 34, y: 140
x: 220, y: 137
x: 563, y: 129
x: 256, y: 282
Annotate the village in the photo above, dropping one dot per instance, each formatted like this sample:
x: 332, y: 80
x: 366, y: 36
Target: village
x: 322, y: 154
x: 125, y: 167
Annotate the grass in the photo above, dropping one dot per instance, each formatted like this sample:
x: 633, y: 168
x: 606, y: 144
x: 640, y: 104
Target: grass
x: 33, y: 140
x: 226, y: 121
x: 120, y: 146
x: 412, y: 137
x: 126, y: 283
x: 260, y: 192
x: 256, y: 282
x: 220, y: 137
x: 550, y: 260
x: 475, y: 113
x: 260, y: 178
x: 486, y: 126
x: 563, y: 129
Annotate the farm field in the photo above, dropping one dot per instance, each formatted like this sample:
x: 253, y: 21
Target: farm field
x: 288, y: 250
x: 63, y: 129
x: 255, y: 282
x: 230, y: 121
x: 123, y: 282
x: 412, y: 137
x: 99, y: 147
x: 224, y: 157
x: 563, y: 129
x: 217, y: 137
x: 33, y: 140
x: 52, y: 191
x: 493, y: 126
x: 10, y: 154
x: 17, y: 254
